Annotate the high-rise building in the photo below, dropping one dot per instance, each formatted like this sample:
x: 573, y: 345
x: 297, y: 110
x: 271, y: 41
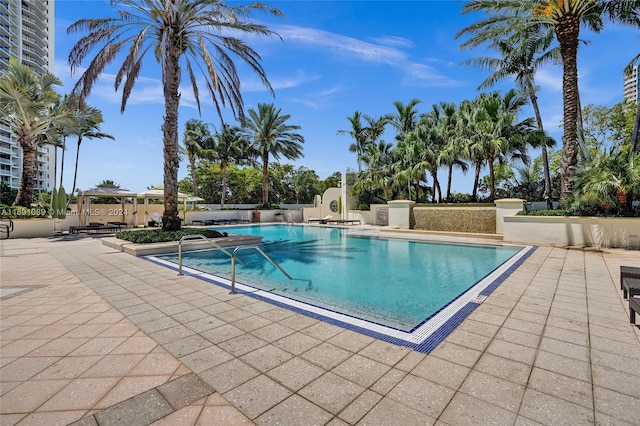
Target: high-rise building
x: 632, y: 85
x: 27, y: 34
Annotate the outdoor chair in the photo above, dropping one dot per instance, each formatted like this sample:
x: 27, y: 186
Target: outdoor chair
x: 628, y: 272
x: 634, y: 307
x: 321, y: 220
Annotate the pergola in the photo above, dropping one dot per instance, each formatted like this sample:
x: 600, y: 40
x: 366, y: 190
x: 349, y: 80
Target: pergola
x: 84, y: 201
x: 157, y: 194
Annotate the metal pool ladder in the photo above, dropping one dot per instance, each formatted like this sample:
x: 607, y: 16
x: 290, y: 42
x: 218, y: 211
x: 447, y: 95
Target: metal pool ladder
x: 233, y: 258
x: 265, y: 255
x: 200, y: 237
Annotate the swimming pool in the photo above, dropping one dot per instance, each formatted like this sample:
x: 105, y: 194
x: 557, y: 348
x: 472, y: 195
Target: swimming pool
x: 404, y: 289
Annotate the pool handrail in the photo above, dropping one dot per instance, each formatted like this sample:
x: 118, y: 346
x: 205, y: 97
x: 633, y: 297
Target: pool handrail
x: 193, y: 237
x: 265, y: 255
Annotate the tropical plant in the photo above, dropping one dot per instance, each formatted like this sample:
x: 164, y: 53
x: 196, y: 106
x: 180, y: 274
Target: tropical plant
x: 608, y: 185
x: 231, y: 146
x: 521, y: 55
x: 359, y: 135
x: 405, y: 118
x: 377, y: 175
x: 566, y: 18
x: 179, y: 33
x: 88, y: 126
x: 270, y: 136
x: 26, y: 103
x: 195, y: 137
x: 305, y: 184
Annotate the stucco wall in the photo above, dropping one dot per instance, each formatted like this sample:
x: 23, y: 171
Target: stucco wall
x: 456, y: 219
x: 573, y: 231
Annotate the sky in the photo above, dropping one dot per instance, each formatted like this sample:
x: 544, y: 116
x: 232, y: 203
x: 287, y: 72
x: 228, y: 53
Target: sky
x: 333, y: 58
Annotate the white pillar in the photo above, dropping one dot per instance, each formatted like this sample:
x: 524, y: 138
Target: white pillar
x: 506, y: 207
x: 400, y: 213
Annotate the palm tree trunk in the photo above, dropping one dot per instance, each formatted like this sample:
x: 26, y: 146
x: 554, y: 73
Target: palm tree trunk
x: 449, y: 178
x: 64, y: 148
x: 476, y: 180
x: 224, y: 183
x: 545, y: 155
x: 580, y: 133
x: 194, y: 177
x: 29, y: 156
x: 567, y: 33
x: 75, y: 171
x: 492, y: 179
x: 636, y: 130
x: 265, y: 179
x: 171, y: 82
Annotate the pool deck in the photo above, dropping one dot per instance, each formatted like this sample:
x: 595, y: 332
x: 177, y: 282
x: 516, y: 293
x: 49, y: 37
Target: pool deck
x: 95, y: 336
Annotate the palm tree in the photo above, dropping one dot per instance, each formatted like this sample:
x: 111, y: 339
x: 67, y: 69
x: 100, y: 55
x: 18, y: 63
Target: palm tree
x: 179, y: 33
x: 405, y: 118
x: 196, y: 134
x: 358, y: 133
x: 565, y: 17
x: 26, y: 101
x: 305, y: 181
x: 450, y: 153
x: 88, y: 126
x: 230, y: 146
x: 271, y: 136
x: 378, y: 159
x: 521, y: 56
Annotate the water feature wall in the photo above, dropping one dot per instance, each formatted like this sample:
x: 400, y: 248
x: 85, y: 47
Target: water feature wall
x: 456, y: 218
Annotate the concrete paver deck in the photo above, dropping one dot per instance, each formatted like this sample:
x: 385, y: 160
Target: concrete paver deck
x: 92, y: 336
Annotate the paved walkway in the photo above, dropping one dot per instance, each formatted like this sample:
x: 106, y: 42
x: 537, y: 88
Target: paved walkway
x: 98, y: 337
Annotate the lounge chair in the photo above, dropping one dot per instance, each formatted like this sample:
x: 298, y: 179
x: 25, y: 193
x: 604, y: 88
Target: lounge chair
x: 634, y: 307
x: 321, y: 220
x: 630, y: 287
x: 344, y: 221
x: 628, y: 272
x: 156, y: 220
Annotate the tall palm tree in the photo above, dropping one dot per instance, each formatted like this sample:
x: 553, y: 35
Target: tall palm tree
x: 88, y: 126
x: 378, y: 159
x: 195, y: 137
x: 195, y: 34
x: 359, y: 135
x: 230, y: 146
x: 566, y: 18
x: 271, y: 136
x: 450, y: 153
x: 405, y: 118
x: 521, y: 55
x: 26, y: 101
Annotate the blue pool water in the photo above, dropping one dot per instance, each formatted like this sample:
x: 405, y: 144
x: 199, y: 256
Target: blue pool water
x: 393, y: 282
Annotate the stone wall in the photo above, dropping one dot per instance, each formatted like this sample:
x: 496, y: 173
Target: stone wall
x: 456, y: 219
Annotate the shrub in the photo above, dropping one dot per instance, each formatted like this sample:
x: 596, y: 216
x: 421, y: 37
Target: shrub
x: 159, y: 236
x: 543, y: 213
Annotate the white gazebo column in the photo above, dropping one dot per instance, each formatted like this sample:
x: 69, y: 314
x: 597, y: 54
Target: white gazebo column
x: 400, y: 213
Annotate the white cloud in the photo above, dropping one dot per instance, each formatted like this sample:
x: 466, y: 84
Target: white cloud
x: 550, y: 78
x: 390, y: 54
x: 393, y: 41
x: 299, y: 78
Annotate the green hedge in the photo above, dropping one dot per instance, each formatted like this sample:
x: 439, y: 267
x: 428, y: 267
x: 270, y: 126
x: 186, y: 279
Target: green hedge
x: 543, y: 213
x: 146, y: 236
